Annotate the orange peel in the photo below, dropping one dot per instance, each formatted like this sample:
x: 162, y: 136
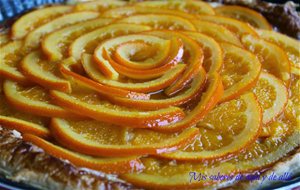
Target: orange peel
x: 162, y: 82
x: 68, y: 135
x: 36, y: 18
x: 250, y: 16
x: 107, y: 165
x: 107, y: 112
x: 240, y: 71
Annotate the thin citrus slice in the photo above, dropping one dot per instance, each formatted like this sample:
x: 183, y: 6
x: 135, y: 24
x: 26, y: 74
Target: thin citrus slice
x: 142, y: 55
x: 240, y: 71
x: 273, y: 59
x: 159, y: 21
x: 169, y: 174
x: 43, y: 72
x: 218, y: 32
x: 133, y: 10
x: 23, y: 122
x: 66, y: 69
x: 188, y: 6
x: 107, y: 165
x: 36, y: 18
x: 101, y: 139
x: 99, y: 5
x: 160, y: 83
x: 208, y: 99
x: 272, y: 96
x: 88, y: 42
x: 290, y: 45
x: 244, y: 14
x: 213, y: 55
x: 33, y: 99
x: 237, y: 129
x: 237, y: 27
x: 10, y: 55
x: 33, y: 38
x: 192, y: 57
x: 111, y: 69
x: 24, y: 126
x: 55, y: 44
x: 91, y: 105
x: 180, y: 99
x: 4, y: 39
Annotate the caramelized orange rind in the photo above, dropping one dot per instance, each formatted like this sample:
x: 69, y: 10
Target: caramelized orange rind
x: 152, y: 91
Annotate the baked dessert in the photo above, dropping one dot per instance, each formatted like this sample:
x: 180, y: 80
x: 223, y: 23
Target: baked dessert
x: 157, y: 95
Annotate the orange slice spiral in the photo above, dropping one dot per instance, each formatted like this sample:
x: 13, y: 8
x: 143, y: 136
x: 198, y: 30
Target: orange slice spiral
x: 152, y: 90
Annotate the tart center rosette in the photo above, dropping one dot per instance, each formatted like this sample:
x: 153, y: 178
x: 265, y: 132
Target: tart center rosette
x: 152, y: 90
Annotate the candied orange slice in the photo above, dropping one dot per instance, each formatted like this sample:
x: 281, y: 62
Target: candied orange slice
x: 192, y: 57
x: 99, y: 5
x: 4, y: 39
x: 188, y: 6
x: 180, y: 99
x: 111, y: 69
x: 209, y: 98
x: 36, y: 18
x: 107, y: 165
x: 216, y: 31
x: 101, y: 139
x: 213, y: 56
x: 33, y: 99
x: 55, y: 44
x: 43, y: 72
x: 24, y: 126
x: 169, y: 174
x: 65, y: 69
x: 10, y: 56
x: 237, y: 27
x: 133, y: 10
x: 88, y: 42
x: 289, y: 45
x: 272, y: 95
x: 175, y: 56
x: 237, y: 129
x: 244, y: 14
x: 162, y: 82
x: 240, y: 71
x: 273, y: 59
x: 159, y: 21
x: 33, y: 38
x: 91, y: 105
x: 142, y: 55
x: 23, y: 122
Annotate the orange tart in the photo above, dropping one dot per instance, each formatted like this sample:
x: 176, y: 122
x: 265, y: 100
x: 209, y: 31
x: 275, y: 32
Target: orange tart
x: 159, y: 94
